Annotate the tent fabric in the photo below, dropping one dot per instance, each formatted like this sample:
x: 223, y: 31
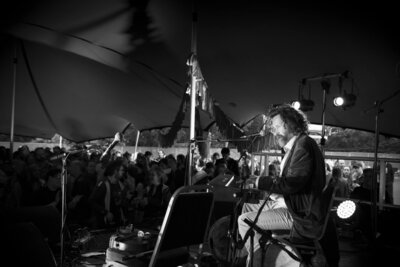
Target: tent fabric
x: 252, y: 55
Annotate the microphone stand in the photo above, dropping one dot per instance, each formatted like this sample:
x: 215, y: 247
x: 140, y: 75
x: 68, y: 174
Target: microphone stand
x: 378, y: 109
x: 232, y: 232
x: 250, y: 231
x: 63, y: 204
x: 64, y: 199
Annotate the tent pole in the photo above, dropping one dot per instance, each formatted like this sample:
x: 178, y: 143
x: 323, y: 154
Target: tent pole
x: 61, y: 142
x: 192, y: 62
x: 136, y: 143
x: 15, y: 62
x: 325, y: 90
x: 377, y: 107
x: 192, y: 125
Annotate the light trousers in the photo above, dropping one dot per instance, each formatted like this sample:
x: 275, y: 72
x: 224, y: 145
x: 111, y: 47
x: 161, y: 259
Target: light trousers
x: 274, y: 216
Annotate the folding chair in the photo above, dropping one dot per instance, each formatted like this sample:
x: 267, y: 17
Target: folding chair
x: 186, y: 223
x: 310, y: 252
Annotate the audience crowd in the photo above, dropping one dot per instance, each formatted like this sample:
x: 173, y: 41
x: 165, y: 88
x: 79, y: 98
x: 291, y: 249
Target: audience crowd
x: 118, y: 191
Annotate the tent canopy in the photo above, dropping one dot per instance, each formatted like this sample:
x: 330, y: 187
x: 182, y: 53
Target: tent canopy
x: 99, y: 65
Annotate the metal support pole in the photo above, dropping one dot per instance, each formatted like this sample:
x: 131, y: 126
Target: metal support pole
x: 136, y: 143
x: 192, y: 136
x: 325, y: 90
x: 193, y: 70
x: 15, y: 63
x: 374, y: 213
x: 382, y: 183
x: 63, y: 205
x: 252, y: 167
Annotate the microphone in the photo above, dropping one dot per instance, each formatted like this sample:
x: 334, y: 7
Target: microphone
x: 67, y: 153
x: 117, y: 139
x: 57, y: 156
x: 252, y: 135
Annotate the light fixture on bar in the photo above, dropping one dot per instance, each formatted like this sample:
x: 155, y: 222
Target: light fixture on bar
x: 344, y: 99
x: 302, y: 103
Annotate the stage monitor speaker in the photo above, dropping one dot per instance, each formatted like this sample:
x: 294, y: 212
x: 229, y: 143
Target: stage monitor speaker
x: 46, y: 218
x: 24, y: 245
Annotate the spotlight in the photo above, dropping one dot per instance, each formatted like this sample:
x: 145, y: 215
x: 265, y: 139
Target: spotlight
x: 296, y: 104
x: 345, y: 100
x: 338, y: 101
x: 346, y: 209
x: 303, y: 104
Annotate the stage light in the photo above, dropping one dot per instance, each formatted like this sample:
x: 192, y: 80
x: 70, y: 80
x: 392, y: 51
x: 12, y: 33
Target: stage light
x: 303, y: 104
x: 338, y: 101
x: 296, y: 104
x: 346, y: 209
x: 345, y: 101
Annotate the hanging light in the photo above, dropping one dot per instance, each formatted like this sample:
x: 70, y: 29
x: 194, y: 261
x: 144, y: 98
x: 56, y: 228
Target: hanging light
x: 345, y: 100
x: 303, y: 104
x: 338, y: 101
x: 346, y: 209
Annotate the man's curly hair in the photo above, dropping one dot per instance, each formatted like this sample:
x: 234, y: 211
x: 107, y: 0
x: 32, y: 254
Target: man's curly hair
x: 295, y: 119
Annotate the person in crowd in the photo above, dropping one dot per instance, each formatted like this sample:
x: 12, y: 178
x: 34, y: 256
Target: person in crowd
x: 328, y: 172
x: 357, y: 173
x: 215, y: 156
x: 148, y: 155
x: 389, y: 182
x: 273, y: 170
x: 221, y: 167
x: 199, y: 171
x: 181, y: 170
x: 340, y: 163
x: 141, y: 169
x: 91, y: 173
x: 244, y: 165
x: 130, y: 189
x: 4, y: 181
x: 158, y: 195
x: 50, y: 194
x: 232, y: 165
x: 161, y: 155
x: 177, y: 177
x: 346, y: 172
x: 363, y: 190
x: 301, y: 183
x: 106, y: 199
x: 168, y: 178
x: 341, y: 183
x: 81, y: 188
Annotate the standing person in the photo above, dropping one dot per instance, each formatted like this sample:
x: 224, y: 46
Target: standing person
x: 50, y: 193
x: 301, y: 183
x: 161, y: 155
x: 342, y: 186
x: 215, y: 157
x: 389, y: 183
x: 107, y: 197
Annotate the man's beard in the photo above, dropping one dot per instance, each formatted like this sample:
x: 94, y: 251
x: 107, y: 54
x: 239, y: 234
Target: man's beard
x: 281, y: 139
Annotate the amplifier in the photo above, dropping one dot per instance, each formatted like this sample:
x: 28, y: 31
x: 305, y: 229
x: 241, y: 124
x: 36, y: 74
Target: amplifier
x: 132, y: 249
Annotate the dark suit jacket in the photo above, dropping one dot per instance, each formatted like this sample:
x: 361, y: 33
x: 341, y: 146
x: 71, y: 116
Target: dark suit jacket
x: 301, y: 184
